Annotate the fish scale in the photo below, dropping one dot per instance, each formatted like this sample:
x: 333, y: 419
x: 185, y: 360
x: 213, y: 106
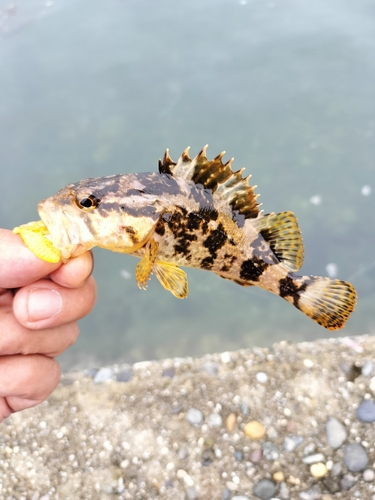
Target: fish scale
x: 192, y: 213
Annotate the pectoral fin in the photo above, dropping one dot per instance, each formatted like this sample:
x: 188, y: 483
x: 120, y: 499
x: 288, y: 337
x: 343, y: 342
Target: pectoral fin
x: 172, y: 278
x: 34, y: 235
x: 145, y: 266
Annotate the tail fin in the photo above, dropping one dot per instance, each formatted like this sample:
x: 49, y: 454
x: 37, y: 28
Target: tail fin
x: 328, y: 302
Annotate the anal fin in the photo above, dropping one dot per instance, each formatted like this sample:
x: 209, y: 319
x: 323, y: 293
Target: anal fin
x: 282, y: 233
x: 172, y: 278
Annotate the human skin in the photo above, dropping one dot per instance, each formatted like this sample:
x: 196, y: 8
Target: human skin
x: 40, y: 304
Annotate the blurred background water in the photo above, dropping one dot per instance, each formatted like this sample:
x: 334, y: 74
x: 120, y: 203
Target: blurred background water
x: 96, y: 87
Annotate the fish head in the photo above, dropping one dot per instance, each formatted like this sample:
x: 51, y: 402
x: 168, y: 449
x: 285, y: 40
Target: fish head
x: 110, y: 212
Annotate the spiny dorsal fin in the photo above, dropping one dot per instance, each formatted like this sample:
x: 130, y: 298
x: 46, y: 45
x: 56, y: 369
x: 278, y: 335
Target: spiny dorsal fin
x: 283, y: 235
x: 217, y: 176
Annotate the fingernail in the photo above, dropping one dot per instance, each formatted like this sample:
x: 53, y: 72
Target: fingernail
x: 43, y: 303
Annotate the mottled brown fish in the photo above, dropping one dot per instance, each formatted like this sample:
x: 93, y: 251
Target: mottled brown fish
x: 194, y: 213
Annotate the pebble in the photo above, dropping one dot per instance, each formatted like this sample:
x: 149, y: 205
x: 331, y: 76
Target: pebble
x: 313, y: 493
x: 168, y: 372
x: 226, y: 494
x: 240, y: 497
x: 270, y: 451
x: 335, y: 433
x: 284, y: 491
x: 367, y: 368
x: 318, y: 470
x: 262, y: 377
x: 191, y: 493
x: 314, y: 459
x: 105, y: 373
x: 124, y: 375
x: 256, y: 456
x: 368, y: 475
x: 291, y: 442
x: 238, y: 455
x: 366, y: 411
x: 278, y: 476
x: 210, y: 368
x: 215, y: 420
x: 264, y: 489
x: 355, y: 457
x: 254, y: 430
x: 231, y: 422
x: 347, y: 481
x: 194, y: 416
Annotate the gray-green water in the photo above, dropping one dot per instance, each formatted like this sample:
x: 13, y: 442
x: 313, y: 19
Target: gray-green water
x: 95, y: 87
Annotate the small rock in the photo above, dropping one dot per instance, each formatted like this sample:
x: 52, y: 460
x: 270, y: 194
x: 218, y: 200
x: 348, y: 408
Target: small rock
x: 183, y: 453
x: 215, y: 420
x: 332, y: 484
x: 284, y: 492
x: 264, y: 489
x: 194, y: 416
x: 313, y: 493
x: 191, y: 493
x: 240, y: 497
x: 105, y: 373
x: 124, y: 375
x: 278, y: 476
x: 336, y: 469
x: 368, y: 475
x: 291, y: 442
x: 210, y: 368
x: 226, y: 494
x: 335, y: 433
x: 256, y: 456
x: 314, y: 459
x: 309, y: 449
x: 366, y: 411
x: 262, y: 377
x: 318, y: 470
x: 254, y: 430
x: 367, y: 368
x: 244, y: 407
x: 270, y: 451
x: 238, y: 455
x: 355, y: 457
x: 347, y: 481
x: 168, y: 372
x: 231, y: 422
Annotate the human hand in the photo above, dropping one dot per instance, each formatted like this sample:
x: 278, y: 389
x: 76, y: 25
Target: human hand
x: 40, y: 304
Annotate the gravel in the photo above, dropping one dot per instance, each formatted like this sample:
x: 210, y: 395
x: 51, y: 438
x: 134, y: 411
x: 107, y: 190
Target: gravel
x: 175, y: 429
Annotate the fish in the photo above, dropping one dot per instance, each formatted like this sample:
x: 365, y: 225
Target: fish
x: 195, y: 213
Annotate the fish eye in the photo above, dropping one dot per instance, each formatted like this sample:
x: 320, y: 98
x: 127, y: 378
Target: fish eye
x: 88, y: 203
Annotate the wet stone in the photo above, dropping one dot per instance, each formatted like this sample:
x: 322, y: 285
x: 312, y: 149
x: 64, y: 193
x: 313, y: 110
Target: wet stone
x: 291, y: 442
x: 194, y: 416
x: 270, y: 451
x: 366, y: 411
x: 124, y: 375
x: 264, y: 489
x: 102, y: 375
x: 335, y: 433
x: 347, y: 481
x: 355, y: 457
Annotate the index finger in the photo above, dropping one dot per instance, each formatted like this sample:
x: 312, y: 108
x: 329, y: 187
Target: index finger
x: 18, y: 265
